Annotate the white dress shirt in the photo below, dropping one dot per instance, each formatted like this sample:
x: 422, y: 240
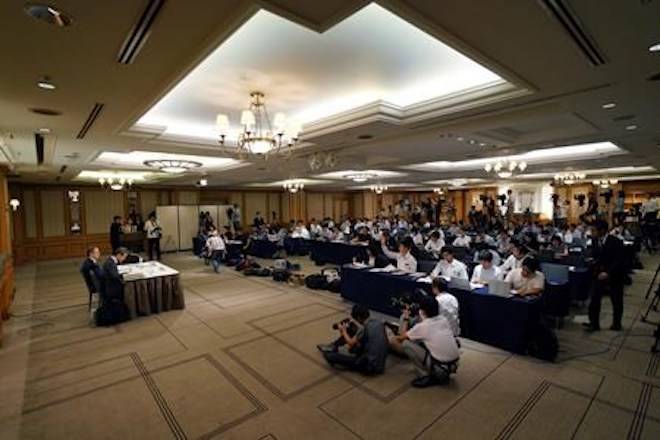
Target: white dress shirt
x: 481, y: 275
x: 435, y: 247
x: 455, y: 269
x: 511, y: 263
x: 462, y: 241
x: 406, y: 262
x: 448, y: 307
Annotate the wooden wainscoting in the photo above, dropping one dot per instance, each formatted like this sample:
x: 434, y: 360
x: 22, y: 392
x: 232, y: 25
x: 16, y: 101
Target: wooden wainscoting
x: 52, y: 248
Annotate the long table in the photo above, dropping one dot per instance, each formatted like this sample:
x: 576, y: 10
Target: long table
x: 151, y: 287
x: 262, y: 248
x: 507, y: 323
x: 336, y: 252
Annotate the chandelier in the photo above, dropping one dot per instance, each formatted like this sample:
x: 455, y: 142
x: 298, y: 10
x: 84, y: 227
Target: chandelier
x: 172, y: 166
x: 115, y: 183
x: 605, y: 183
x: 293, y: 186
x: 360, y: 177
x: 505, y: 169
x: 378, y: 189
x: 439, y: 191
x: 568, y: 178
x: 258, y: 136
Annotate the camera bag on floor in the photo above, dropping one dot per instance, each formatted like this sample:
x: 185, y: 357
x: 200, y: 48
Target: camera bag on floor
x: 281, y: 276
x: 257, y: 272
x: 316, y: 281
x: 333, y: 280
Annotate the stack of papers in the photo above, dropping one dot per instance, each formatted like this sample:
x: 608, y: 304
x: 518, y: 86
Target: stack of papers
x: 388, y: 268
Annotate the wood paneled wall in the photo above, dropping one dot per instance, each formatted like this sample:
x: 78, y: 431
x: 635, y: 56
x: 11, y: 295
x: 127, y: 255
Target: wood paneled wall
x: 7, y: 276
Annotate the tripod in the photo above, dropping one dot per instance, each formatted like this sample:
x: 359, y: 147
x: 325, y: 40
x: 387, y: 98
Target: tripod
x: 648, y: 292
x: 653, y: 305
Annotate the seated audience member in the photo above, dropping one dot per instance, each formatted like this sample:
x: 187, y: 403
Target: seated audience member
x: 558, y: 247
x: 461, y: 240
x: 503, y: 242
x: 449, y: 266
x: 514, y: 261
x: 486, y: 271
x: 404, y: 259
x: 315, y: 229
x: 215, y: 246
x: 448, y: 304
x: 417, y: 237
x: 90, y: 270
x: 374, y: 257
x: 362, y: 345
x: 435, y: 244
x: 527, y: 280
x: 362, y: 235
x: 433, y: 337
x: 300, y: 231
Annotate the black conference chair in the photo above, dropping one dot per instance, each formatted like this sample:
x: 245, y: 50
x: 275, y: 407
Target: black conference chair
x: 557, y: 294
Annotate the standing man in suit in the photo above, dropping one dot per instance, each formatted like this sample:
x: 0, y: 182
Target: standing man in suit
x: 91, y: 272
x: 115, y: 232
x: 113, y: 282
x: 609, y: 275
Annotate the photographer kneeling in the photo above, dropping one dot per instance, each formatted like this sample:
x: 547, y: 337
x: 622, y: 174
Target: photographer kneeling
x: 430, y: 339
x: 362, y: 345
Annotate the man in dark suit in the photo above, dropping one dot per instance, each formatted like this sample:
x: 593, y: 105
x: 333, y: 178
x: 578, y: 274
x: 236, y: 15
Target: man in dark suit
x: 91, y: 272
x: 115, y: 233
x: 113, y: 283
x: 609, y: 274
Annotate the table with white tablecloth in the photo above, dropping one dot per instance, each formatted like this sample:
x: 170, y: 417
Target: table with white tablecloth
x: 151, y: 287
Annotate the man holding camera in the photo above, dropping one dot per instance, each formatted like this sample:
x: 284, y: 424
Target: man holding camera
x: 431, y: 338
x: 362, y: 345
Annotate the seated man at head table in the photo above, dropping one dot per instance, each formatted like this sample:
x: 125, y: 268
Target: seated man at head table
x: 431, y: 335
x: 486, y: 271
x: 527, y: 280
x: 91, y: 266
x: 449, y: 266
x: 112, y: 285
x: 404, y: 259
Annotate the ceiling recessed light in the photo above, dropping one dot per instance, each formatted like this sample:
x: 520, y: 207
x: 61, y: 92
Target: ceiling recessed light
x: 203, y: 182
x: 482, y: 144
x: 609, y: 105
x: 631, y: 127
x: 48, y: 14
x: 472, y: 141
x: 44, y: 130
x: 655, y: 47
x: 460, y: 139
x: 46, y: 84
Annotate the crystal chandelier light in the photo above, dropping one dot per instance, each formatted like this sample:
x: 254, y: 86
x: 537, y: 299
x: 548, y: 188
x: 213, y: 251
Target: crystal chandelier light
x: 605, y: 183
x: 115, y: 183
x: 260, y: 136
x: 439, y: 191
x: 505, y: 169
x: 569, y: 178
x: 378, y: 189
x: 293, y: 186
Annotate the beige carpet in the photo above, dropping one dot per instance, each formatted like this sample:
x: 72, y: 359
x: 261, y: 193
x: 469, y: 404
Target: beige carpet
x: 240, y: 363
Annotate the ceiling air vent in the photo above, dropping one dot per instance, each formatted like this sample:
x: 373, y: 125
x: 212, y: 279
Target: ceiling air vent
x: 93, y: 115
x: 140, y: 33
x: 574, y: 30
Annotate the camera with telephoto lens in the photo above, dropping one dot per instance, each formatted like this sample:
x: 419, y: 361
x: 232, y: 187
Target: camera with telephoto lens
x: 502, y: 199
x: 351, y: 329
x: 403, y: 302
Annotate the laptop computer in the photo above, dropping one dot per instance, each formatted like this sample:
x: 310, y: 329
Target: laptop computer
x: 500, y: 288
x: 459, y: 283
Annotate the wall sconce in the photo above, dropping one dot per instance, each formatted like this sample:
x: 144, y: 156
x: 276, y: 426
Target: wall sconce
x: 74, y: 196
x: 14, y: 203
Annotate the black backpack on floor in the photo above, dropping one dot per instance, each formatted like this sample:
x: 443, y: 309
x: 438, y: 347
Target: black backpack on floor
x: 257, y: 272
x: 281, y: 276
x: 316, y: 281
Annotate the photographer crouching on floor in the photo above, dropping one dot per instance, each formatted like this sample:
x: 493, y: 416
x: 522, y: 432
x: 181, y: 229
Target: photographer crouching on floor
x: 427, y: 339
x: 362, y: 345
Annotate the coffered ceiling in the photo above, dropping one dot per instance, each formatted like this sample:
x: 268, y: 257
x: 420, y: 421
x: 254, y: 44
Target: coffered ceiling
x: 389, y: 85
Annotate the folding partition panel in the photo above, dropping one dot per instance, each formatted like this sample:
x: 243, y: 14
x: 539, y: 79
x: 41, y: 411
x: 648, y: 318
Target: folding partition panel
x: 188, y: 226
x: 168, y: 216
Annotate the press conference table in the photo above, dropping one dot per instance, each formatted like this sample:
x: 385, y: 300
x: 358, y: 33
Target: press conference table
x: 507, y: 323
x: 151, y: 287
x: 336, y: 252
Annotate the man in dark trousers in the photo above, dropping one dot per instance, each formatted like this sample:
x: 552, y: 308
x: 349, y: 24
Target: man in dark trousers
x: 609, y: 274
x: 91, y: 272
x: 112, y: 310
x: 115, y: 233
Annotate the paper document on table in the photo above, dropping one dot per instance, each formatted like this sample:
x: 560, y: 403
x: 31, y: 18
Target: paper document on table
x: 427, y: 280
x: 388, y: 268
x: 474, y: 286
x: 360, y: 265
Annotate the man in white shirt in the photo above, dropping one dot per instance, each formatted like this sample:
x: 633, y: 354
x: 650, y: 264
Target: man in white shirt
x: 404, y: 260
x: 527, y: 280
x: 432, y: 333
x: 448, y: 304
x: 435, y: 244
x: 449, y: 266
x: 514, y: 261
x: 153, y: 230
x: 215, y: 246
x: 315, y: 229
x: 462, y: 240
x: 486, y: 271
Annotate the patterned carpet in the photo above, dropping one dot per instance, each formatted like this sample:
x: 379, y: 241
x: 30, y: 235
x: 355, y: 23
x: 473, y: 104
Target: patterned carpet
x: 240, y: 363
